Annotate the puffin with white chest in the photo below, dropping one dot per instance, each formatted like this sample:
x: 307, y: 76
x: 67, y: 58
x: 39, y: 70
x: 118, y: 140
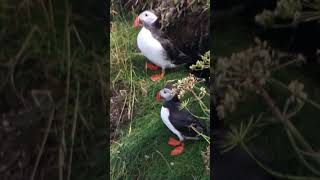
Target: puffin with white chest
x: 156, y: 47
x: 178, y: 120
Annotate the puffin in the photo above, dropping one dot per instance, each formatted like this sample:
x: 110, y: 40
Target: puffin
x: 157, y: 47
x: 178, y: 120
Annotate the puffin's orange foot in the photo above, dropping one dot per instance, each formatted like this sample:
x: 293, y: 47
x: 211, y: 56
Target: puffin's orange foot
x: 177, y: 150
x: 156, y: 77
x: 174, y: 142
x: 151, y: 67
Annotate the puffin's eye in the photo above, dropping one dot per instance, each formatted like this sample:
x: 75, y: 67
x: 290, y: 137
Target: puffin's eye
x: 146, y: 14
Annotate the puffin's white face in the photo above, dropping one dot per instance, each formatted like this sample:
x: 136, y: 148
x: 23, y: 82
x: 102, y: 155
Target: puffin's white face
x: 166, y: 94
x: 146, y: 17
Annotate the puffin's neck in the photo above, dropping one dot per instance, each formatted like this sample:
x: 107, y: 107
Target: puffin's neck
x: 155, y: 30
x: 153, y: 27
x: 175, y: 99
x: 171, y: 102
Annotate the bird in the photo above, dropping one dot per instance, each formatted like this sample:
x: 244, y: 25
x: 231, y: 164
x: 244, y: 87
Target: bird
x: 179, y: 121
x: 157, y: 47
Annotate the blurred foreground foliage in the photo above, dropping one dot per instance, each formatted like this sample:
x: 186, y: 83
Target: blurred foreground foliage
x: 290, y: 13
x: 252, y: 71
x: 52, y: 90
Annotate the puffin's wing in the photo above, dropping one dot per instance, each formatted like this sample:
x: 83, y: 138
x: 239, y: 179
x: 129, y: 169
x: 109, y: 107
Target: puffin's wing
x: 176, y: 56
x: 182, y: 120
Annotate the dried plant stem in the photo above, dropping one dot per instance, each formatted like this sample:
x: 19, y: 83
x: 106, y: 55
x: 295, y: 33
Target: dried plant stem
x: 45, y: 137
x: 202, y: 105
x: 283, y: 119
x: 313, y: 103
x: 201, y: 134
x: 132, y: 98
x: 300, y: 155
x: 73, y: 132
x: 13, y: 62
x: 122, y: 110
x: 291, y: 130
x: 68, y: 59
x: 280, y: 66
x: 199, y: 89
x: 274, y: 173
x: 199, y: 117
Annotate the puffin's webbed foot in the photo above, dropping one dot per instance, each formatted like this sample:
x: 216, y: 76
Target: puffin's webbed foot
x: 151, y: 67
x: 156, y: 77
x: 173, y: 142
x: 177, y: 150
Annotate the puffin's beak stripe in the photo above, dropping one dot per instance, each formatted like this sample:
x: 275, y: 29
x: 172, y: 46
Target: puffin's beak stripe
x: 158, y: 96
x: 136, y: 22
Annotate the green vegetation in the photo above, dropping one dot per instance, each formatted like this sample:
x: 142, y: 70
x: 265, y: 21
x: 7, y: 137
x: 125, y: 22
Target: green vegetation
x: 53, y: 90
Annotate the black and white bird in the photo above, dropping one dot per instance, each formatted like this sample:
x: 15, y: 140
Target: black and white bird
x: 156, y: 47
x: 179, y: 121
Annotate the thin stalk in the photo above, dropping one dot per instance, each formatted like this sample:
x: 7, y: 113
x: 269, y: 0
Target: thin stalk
x: 201, y: 134
x: 164, y: 159
x: 67, y: 47
x: 313, y: 103
x: 300, y: 155
x: 275, y: 173
x: 199, y: 117
x: 202, y: 105
x: 43, y: 143
x: 73, y: 131
x: 284, y: 119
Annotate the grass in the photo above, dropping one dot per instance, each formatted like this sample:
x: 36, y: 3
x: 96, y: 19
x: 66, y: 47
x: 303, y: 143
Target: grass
x: 142, y: 152
x: 51, y: 61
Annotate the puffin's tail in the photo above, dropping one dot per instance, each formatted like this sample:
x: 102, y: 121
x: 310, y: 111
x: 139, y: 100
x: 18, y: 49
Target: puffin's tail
x: 204, y: 128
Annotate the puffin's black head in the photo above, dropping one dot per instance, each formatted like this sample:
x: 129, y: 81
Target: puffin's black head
x: 166, y: 93
x: 146, y: 17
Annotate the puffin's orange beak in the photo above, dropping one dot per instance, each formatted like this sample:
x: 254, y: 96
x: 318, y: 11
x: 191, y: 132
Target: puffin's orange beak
x: 136, y: 22
x: 158, y: 96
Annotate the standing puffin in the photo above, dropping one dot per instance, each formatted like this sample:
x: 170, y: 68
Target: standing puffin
x: 156, y: 47
x: 178, y: 120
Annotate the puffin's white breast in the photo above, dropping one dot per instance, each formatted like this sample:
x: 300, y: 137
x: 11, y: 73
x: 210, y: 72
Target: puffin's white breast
x: 152, y: 49
x: 165, y: 118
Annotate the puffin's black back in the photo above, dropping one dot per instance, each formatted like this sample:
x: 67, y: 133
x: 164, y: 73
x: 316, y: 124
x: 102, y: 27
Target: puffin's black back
x: 181, y: 119
x: 173, y: 52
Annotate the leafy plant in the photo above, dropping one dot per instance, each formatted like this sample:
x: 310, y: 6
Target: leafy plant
x: 290, y: 13
x: 203, y: 63
x: 200, y: 97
